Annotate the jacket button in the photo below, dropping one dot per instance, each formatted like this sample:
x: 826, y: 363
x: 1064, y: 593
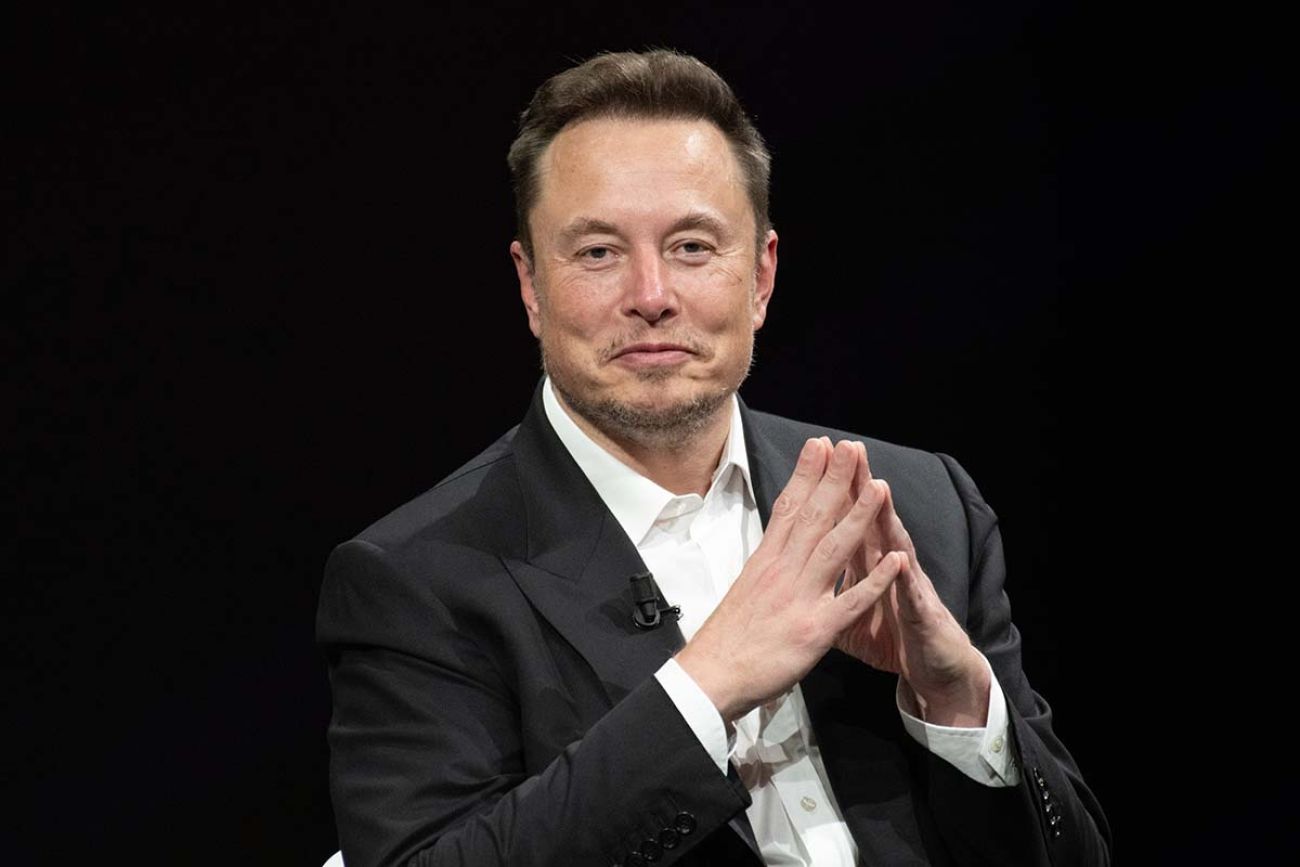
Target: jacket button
x: 685, y: 823
x: 651, y: 851
x: 669, y: 838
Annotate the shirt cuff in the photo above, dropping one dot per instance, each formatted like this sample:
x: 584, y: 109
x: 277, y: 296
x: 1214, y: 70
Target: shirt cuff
x: 983, y: 754
x: 699, y: 713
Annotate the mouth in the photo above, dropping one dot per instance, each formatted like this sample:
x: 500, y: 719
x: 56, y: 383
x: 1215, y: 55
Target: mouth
x: 653, y: 354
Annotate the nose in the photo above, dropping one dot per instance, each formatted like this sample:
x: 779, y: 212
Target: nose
x: 649, y: 293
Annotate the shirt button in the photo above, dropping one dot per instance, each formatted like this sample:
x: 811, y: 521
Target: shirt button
x: 997, y: 744
x: 807, y: 803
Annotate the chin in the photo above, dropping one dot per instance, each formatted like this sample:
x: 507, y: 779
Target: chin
x: 648, y: 412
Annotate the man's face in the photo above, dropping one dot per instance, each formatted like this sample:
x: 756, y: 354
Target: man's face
x: 645, y: 287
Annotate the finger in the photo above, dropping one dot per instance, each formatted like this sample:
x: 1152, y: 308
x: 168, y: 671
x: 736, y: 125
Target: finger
x: 892, y: 532
x: 826, y: 506
x: 911, y: 595
x: 808, y: 471
x: 855, y: 602
x: 875, y: 541
x: 865, y: 463
x: 920, y: 600
x: 868, y: 553
x: 862, y: 474
x: 836, y: 550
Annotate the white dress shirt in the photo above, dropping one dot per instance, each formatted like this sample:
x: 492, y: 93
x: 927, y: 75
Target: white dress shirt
x: 695, y: 547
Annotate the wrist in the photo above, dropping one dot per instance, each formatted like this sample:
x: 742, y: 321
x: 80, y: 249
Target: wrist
x: 960, y: 703
x: 714, y: 681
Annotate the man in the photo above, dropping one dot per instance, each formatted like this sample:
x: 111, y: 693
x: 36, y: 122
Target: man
x: 818, y: 702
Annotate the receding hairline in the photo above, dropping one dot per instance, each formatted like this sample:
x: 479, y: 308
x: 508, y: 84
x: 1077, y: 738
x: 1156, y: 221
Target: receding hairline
x: 694, y: 218
x: 657, y: 84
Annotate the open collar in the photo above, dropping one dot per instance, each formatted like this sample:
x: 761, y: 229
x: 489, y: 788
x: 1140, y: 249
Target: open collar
x: 635, y: 501
x: 578, y: 558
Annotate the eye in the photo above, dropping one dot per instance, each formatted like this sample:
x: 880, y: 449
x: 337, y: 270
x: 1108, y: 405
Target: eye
x: 596, y: 254
x: 694, y: 250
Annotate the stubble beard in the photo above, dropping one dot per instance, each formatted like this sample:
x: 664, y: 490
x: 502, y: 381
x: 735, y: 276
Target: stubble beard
x: 672, y: 426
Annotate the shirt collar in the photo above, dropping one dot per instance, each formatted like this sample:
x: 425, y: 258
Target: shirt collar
x: 635, y: 501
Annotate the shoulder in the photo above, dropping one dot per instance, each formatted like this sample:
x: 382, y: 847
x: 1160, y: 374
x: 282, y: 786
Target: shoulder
x: 934, y: 497
x: 440, y: 551
x: 469, y: 507
x: 897, y: 464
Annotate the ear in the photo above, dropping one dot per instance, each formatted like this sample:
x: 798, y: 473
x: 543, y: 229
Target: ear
x: 764, y: 279
x: 527, y: 289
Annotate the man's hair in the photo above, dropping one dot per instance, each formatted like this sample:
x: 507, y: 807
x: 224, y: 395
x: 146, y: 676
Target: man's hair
x: 659, y: 84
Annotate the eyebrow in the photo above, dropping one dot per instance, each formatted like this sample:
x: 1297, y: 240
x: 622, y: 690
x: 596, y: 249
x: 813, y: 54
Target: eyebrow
x: 590, y: 226
x: 585, y: 226
x: 700, y: 220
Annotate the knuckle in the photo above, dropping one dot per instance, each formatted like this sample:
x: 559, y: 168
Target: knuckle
x: 810, y: 514
x: 808, y: 628
x: 855, y: 603
x: 829, y: 549
x: 784, y: 505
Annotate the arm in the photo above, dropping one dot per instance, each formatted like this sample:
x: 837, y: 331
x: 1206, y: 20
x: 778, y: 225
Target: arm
x: 1048, y: 816
x: 1074, y: 831
x: 452, y: 697
x: 431, y: 758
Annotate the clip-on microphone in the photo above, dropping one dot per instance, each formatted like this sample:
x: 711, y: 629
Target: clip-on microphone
x: 648, y: 606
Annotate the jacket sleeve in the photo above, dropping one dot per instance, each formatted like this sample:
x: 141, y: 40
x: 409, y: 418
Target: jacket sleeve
x: 1051, y: 817
x: 428, y: 746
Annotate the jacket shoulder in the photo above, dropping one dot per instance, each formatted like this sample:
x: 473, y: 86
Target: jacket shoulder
x: 887, y: 458
x: 467, y: 502
x: 933, y: 495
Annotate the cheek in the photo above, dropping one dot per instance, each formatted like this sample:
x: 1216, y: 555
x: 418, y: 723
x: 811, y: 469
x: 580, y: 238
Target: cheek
x: 577, y: 306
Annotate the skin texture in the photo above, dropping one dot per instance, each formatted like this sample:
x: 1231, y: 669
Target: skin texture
x: 643, y: 236
x: 909, y: 631
x: 645, y: 292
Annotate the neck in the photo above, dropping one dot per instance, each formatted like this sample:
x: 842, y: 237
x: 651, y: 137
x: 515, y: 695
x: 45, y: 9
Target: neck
x: 680, y: 464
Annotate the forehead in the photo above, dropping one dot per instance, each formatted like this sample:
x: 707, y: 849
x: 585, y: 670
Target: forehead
x: 639, y: 167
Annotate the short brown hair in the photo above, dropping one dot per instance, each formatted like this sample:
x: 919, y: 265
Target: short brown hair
x: 654, y: 84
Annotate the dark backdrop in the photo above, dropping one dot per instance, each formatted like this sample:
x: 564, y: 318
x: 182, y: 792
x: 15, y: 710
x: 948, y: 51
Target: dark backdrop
x: 257, y: 293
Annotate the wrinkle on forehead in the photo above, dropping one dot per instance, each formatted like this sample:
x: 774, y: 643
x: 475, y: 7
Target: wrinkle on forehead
x: 696, y: 146
x: 609, y: 158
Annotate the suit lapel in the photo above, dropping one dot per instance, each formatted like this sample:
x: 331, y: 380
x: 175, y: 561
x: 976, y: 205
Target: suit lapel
x: 579, y: 561
x: 576, y: 570
x: 577, y: 567
x: 770, y: 466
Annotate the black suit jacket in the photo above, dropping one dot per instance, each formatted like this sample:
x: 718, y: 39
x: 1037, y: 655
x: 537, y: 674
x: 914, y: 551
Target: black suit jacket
x: 494, y: 703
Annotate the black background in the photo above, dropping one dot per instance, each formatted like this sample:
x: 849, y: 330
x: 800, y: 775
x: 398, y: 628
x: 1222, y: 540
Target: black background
x: 257, y: 293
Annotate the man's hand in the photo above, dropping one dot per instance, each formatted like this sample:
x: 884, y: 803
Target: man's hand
x: 909, y: 631
x: 782, y: 614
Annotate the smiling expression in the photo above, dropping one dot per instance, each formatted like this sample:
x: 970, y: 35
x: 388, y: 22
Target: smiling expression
x: 645, y: 289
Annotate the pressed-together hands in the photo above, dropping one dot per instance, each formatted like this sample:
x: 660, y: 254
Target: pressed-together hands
x: 783, y: 612
x: 910, y: 631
